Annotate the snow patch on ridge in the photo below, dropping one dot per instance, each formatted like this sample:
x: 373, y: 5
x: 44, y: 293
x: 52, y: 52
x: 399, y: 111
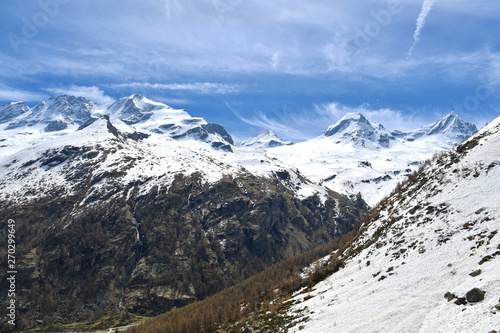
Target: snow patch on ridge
x: 425, y: 243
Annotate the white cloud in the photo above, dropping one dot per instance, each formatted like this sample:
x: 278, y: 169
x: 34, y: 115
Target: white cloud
x: 13, y: 95
x: 204, y: 88
x: 277, y: 123
x: 312, y: 123
x: 174, y: 102
x: 391, y: 119
x: 94, y: 94
x: 426, y: 8
x: 172, y: 8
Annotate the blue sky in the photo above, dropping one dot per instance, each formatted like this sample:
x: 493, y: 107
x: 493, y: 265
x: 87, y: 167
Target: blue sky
x: 251, y: 65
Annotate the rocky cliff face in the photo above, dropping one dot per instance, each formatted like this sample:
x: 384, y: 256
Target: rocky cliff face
x: 110, y: 221
x: 163, y: 249
x: 429, y: 258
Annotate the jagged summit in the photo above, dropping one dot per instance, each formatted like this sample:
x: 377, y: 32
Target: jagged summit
x: 158, y: 118
x: 67, y: 113
x: 356, y: 155
x: 55, y: 114
x: 451, y: 122
x: 429, y: 258
x: 134, y: 109
x: 355, y: 129
x: 12, y: 110
x: 136, y: 96
x: 355, y: 116
x: 452, y: 129
x: 268, y: 139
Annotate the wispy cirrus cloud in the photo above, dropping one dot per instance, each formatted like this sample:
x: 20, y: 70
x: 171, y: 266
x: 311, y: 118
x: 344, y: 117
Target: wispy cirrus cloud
x: 391, y: 119
x: 426, y: 8
x: 311, y: 123
x: 275, y: 122
x: 16, y: 95
x: 94, y: 94
x: 204, y: 88
x: 281, y: 52
x: 172, y: 8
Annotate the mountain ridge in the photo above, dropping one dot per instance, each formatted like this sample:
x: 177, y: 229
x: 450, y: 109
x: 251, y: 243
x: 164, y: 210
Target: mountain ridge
x: 352, y: 156
x: 63, y: 114
x: 356, y: 129
x: 115, y: 220
x: 358, y: 156
x: 164, y: 205
x: 268, y: 139
x: 425, y: 260
x: 424, y: 255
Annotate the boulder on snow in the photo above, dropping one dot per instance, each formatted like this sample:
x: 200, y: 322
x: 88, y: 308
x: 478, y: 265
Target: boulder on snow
x: 449, y: 296
x: 475, y: 273
x: 475, y: 295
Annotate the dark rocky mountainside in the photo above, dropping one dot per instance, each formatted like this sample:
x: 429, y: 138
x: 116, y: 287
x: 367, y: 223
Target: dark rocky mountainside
x: 427, y: 259
x: 161, y: 250
x: 104, y: 227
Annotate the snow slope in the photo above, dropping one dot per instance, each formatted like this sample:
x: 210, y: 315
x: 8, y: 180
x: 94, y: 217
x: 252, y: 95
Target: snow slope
x: 268, y: 139
x: 353, y: 156
x: 424, y: 242
x: 357, y: 156
x: 21, y: 126
x: 120, y: 156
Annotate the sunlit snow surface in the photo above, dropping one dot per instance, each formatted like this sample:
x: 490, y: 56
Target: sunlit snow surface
x: 153, y: 161
x: 348, y: 169
x: 353, y: 156
x: 358, y: 156
x: 268, y: 139
x: 425, y: 253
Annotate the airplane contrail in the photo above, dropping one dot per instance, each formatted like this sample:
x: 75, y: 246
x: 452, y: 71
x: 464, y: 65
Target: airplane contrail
x: 426, y: 8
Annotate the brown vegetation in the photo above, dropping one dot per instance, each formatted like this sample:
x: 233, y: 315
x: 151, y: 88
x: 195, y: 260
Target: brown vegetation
x: 268, y: 289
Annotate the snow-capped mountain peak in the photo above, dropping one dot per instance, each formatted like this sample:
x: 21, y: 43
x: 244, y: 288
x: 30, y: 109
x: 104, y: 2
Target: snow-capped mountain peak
x: 428, y: 260
x: 355, y: 116
x: 60, y: 115
x: 159, y: 118
x: 56, y: 113
x: 357, y: 155
x: 355, y: 129
x: 451, y: 128
x: 134, y: 109
x: 268, y: 139
x: 12, y: 110
x: 453, y: 125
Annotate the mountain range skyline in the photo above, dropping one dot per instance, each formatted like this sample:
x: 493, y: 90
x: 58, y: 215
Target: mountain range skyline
x: 13, y: 110
x: 253, y: 65
x: 110, y: 198
x: 250, y: 166
x: 353, y: 156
